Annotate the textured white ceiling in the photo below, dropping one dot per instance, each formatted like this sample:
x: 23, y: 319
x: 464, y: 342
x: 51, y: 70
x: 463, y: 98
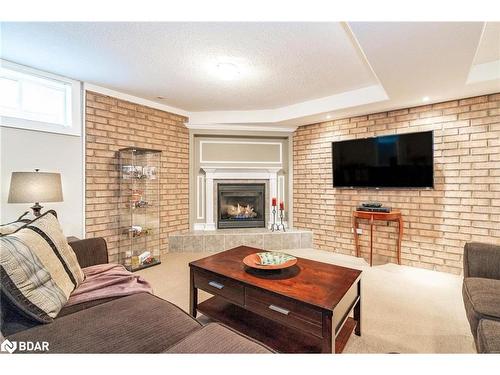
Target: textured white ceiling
x: 291, y: 73
x: 280, y: 63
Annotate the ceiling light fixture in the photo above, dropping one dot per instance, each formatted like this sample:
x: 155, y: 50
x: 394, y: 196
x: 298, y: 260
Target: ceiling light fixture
x: 328, y: 117
x: 227, y: 71
x: 426, y: 99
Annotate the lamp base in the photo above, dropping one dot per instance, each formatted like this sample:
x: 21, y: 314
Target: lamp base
x: 36, y: 209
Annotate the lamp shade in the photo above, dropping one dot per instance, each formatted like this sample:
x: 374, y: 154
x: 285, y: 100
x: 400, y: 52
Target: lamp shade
x: 29, y: 187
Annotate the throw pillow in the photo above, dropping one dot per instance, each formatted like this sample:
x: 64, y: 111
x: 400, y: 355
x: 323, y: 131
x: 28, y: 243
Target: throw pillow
x: 15, y: 225
x: 38, y: 268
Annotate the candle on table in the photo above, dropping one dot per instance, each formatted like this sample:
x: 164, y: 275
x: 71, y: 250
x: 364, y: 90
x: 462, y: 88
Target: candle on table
x: 274, y: 202
x: 282, y: 206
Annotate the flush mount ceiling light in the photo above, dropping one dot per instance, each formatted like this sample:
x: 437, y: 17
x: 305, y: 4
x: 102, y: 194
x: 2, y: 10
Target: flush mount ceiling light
x: 227, y: 71
x: 426, y: 99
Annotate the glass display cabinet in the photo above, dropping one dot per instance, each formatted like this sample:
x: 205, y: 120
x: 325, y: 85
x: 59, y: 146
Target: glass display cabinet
x: 139, y: 207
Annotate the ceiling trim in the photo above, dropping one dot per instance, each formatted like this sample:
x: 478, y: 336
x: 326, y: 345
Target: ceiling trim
x: 238, y: 127
x: 134, y: 99
x: 359, y: 49
x: 352, y: 98
x: 284, y: 119
x: 484, y: 72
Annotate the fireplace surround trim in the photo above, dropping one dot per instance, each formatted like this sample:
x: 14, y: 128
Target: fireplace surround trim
x: 213, y: 173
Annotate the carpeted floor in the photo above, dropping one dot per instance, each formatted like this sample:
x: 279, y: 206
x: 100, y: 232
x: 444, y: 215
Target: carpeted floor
x: 405, y: 309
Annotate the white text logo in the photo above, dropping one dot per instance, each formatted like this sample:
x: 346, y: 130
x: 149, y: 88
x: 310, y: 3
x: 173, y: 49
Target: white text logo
x: 24, y: 346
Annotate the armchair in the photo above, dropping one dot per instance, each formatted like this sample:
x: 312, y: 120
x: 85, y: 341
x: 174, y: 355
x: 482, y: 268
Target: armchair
x: 481, y: 294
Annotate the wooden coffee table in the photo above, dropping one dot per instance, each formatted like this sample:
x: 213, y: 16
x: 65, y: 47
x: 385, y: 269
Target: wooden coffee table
x: 301, y: 309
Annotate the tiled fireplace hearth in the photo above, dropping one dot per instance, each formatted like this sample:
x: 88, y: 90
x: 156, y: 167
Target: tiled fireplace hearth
x: 224, y: 239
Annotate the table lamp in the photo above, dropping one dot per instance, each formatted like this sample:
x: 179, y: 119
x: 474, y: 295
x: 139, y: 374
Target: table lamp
x: 28, y: 187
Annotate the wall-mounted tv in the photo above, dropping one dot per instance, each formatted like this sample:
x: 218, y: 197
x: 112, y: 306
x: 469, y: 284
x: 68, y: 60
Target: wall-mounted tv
x: 392, y: 161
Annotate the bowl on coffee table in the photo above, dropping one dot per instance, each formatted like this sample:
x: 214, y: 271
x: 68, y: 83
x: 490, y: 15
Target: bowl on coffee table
x: 270, y: 260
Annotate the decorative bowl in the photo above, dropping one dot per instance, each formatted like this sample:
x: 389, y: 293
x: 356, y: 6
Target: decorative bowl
x: 271, y: 260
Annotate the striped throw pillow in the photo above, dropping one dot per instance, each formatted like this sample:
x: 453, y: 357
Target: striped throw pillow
x: 15, y: 225
x: 39, y: 270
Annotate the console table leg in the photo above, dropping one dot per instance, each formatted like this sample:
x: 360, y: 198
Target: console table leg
x: 400, y: 237
x: 355, y: 229
x: 371, y: 241
x: 193, y: 295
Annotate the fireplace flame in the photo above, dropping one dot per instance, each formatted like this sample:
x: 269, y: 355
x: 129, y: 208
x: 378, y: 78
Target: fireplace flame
x: 241, y: 212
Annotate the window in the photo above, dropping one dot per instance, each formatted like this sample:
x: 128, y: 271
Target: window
x: 35, y: 100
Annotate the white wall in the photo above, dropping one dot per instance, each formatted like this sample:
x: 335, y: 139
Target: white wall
x: 25, y: 150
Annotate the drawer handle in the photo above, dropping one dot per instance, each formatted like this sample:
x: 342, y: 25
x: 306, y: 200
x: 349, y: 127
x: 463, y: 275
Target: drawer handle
x: 281, y: 310
x: 215, y: 284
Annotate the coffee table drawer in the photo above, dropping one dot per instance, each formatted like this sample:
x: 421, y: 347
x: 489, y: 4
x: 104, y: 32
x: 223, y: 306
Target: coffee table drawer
x: 220, y: 286
x: 284, y: 310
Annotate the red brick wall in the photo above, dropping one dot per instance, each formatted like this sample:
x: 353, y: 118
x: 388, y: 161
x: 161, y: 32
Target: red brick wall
x: 464, y: 206
x: 112, y: 124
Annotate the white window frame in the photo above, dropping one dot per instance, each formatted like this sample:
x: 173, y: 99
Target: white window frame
x: 74, y: 127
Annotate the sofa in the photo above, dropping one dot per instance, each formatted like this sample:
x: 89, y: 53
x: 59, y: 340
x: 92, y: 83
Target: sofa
x: 481, y: 294
x: 138, y: 323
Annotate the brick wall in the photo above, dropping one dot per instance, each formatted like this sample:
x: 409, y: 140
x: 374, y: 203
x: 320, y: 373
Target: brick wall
x: 112, y: 124
x: 464, y: 206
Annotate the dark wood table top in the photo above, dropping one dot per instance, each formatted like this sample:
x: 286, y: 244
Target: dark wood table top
x: 316, y: 283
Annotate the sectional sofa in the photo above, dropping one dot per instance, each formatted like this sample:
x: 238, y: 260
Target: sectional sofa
x: 139, y: 323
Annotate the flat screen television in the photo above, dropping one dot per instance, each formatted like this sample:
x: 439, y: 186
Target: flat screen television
x: 392, y: 161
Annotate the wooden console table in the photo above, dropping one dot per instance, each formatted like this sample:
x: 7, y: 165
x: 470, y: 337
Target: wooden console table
x: 372, y: 216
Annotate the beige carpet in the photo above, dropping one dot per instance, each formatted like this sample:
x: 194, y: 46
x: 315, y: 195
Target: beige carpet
x: 404, y: 309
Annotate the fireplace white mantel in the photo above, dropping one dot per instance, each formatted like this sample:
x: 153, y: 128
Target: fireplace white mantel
x: 269, y: 174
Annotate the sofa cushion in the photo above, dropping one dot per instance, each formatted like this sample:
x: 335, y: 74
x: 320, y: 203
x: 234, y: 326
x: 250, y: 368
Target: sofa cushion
x: 481, y: 299
x: 38, y: 268
x: 67, y: 310
x: 215, y: 338
x: 140, y: 323
x: 12, y: 321
x: 90, y: 251
x: 488, y: 336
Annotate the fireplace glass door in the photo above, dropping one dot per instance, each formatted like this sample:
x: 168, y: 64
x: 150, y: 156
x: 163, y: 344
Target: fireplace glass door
x: 241, y: 206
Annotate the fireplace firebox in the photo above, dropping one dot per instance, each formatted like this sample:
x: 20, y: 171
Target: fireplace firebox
x: 241, y: 206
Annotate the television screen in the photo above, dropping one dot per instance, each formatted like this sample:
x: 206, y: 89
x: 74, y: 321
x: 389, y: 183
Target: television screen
x: 400, y: 161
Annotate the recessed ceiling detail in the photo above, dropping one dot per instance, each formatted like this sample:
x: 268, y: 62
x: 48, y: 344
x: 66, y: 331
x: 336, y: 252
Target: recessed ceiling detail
x: 486, y: 64
x: 267, y: 75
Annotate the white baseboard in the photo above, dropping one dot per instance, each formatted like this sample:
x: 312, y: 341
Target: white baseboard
x: 203, y: 226
x: 199, y: 226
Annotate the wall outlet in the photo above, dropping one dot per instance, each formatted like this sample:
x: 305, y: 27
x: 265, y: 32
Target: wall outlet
x: 358, y: 230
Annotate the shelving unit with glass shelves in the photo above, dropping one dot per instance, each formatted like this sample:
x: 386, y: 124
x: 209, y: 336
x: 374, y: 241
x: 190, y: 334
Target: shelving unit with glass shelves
x: 139, y: 207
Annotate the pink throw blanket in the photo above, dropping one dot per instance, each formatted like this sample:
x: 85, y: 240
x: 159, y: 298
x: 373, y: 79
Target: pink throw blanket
x: 107, y: 280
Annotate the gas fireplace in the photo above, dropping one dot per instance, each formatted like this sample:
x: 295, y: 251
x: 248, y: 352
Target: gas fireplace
x: 241, y: 206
